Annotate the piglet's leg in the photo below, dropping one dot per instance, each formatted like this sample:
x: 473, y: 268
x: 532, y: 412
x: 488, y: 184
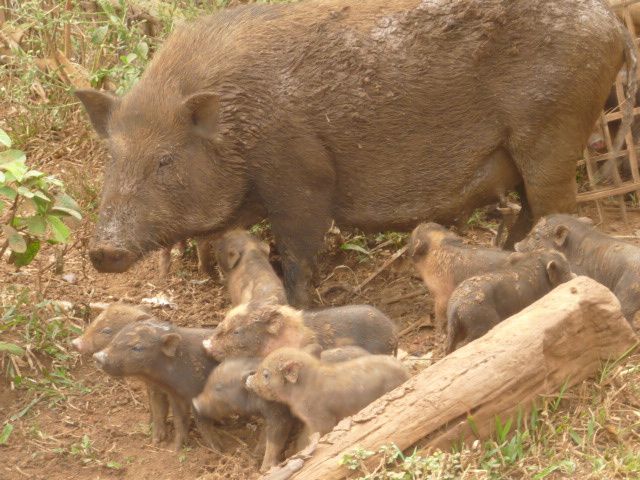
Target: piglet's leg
x: 278, y: 427
x: 159, y: 408
x: 181, y: 415
x: 164, y: 261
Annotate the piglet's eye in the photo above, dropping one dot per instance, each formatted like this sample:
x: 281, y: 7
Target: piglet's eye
x: 236, y: 331
x: 137, y: 348
x: 266, y: 375
x: 218, y: 387
x: 106, y: 330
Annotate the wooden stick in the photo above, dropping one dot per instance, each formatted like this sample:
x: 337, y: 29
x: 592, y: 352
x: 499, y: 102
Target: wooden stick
x: 384, y: 266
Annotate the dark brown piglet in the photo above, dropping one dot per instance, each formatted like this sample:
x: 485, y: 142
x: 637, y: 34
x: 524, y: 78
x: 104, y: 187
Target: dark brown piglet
x: 443, y: 261
x: 171, y: 359
x: 244, y: 261
x: 99, y: 334
x: 257, y: 330
x: 321, y: 394
x: 612, y: 262
x: 481, y: 302
x: 225, y: 395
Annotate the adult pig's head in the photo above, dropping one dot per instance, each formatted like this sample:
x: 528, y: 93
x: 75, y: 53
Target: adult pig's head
x: 171, y: 173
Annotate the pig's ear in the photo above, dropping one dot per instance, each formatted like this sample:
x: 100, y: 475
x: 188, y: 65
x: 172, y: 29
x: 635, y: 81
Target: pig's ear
x: 515, y: 257
x: 275, y: 322
x: 290, y: 371
x: 170, y: 343
x: 314, y: 349
x: 99, y: 106
x: 560, y: 235
x: 418, y: 248
x: 585, y: 220
x: 233, y: 257
x: 553, y: 270
x: 264, y: 248
x: 142, y: 316
x: 204, y: 113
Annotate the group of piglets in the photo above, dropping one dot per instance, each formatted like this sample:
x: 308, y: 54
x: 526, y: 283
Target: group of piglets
x: 475, y: 288
x: 264, y: 359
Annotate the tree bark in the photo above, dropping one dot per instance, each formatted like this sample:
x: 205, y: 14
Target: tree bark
x: 557, y: 342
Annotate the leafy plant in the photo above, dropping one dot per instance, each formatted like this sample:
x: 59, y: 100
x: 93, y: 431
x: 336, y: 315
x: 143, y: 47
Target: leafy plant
x: 32, y: 207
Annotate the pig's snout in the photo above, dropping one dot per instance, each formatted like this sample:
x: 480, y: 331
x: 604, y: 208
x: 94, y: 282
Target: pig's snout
x: 250, y: 381
x: 109, y: 259
x: 100, y: 358
x: 78, y: 344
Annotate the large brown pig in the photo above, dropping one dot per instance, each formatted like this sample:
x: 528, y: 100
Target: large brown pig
x: 481, y: 302
x: 321, y: 394
x: 170, y: 358
x: 612, y: 262
x: 443, y: 261
x: 99, y: 334
x: 258, y: 330
x: 376, y: 114
x: 225, y: 395
x: 244, y: 261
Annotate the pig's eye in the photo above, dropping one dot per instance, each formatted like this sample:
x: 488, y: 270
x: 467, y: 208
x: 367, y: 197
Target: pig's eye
x: 106, y: 330
x: 236, y: 331
x: 266, y: 375
x: 165, y: 160
x: 137, y: 348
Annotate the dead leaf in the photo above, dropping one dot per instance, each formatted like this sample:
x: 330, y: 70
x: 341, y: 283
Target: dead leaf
x: 70, y: 72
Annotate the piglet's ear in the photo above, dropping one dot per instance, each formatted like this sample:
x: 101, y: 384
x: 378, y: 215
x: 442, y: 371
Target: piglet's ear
x: 264, y: 248
x: 585, y: 220
x: 203, y: 110
x: 515, y: 257
x: 275, y: 322
x: 142, y: 316
x: 170, y: 343
x: 99, y: 105
x: 553, y: 271
x: 290, y: 370
x: 560, y: 235
x: 233, y: 257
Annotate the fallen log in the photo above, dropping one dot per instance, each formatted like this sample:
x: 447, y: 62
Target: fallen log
x: 557, y: 342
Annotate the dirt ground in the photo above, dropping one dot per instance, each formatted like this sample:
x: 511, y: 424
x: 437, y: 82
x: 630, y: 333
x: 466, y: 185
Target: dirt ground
x: 112, y: 413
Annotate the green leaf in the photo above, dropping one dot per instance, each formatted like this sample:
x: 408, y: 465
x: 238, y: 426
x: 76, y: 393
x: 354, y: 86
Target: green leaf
x: 33, y: 174
x: 8, y: 192
x: 114, y: 465
x: 6, y: 433
x: 11, y: 348
x: 4, y: 139
x: 16, y: 241
x: 142, y: 49
x: 15, y: 167
x: 355, y: 247
x: 12, y: 156
x: 99, y: 34
x: 3, y: 178
x: 23, y: 259
x: 36, y: 225
x: 25, y: 192
x: 67, y: 211
x: 64, y: 203
x: 42, y: 196
x: 58, y: 228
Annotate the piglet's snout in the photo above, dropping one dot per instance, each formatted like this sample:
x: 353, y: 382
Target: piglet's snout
x: 77, y: 344
x: 249, y: 382
x: 100, y: 357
